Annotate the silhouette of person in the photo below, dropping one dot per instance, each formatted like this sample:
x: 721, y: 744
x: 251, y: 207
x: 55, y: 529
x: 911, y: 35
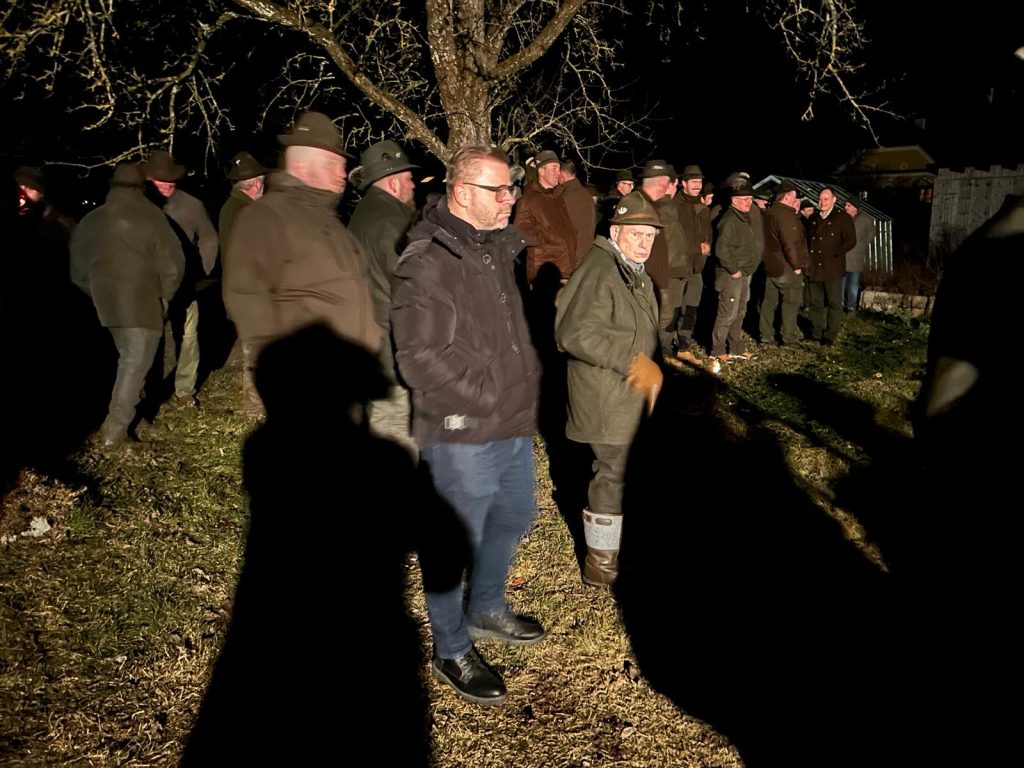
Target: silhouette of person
x: 320, y: 640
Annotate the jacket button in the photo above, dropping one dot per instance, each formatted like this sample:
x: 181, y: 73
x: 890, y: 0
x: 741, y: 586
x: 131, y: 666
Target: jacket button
x: 486, y: 258
x: 503, y: 297
x: 515, y: 348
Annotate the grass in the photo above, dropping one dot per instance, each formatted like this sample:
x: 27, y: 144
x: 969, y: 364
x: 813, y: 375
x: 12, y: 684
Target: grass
x: 110, y: 622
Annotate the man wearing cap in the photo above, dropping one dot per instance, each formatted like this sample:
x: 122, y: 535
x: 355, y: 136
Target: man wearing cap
x: 695, y: 222
x: 248, y: 176
x: 785, y: 258
x: 126, y: 256
x: 624, y: 184
x: 290, y: 262
x: 380, y: 222
x: 707, y: 194
x: 831, y: 235
x: 669, y: 264
x: 580, y: 205
x: 736, y: 251
x: 200, y: 245
x: 607, y: 323
x: 542, y: 216
x: 463, y: 347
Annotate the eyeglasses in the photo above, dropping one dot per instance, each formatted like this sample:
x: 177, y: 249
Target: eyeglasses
x: 501, y: 191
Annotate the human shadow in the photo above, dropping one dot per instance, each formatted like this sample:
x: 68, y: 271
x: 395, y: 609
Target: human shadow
x: 58, y: 361
x: 743, y: 601
x: 568, y: 461
x: 321, y: 648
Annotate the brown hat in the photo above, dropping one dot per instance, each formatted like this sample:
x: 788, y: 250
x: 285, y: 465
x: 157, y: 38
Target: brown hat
x: 545, y: 157
x: 635, y: 209
x: 742, y: 187
x: 379, y: 160
x: 161, y: 166
x: 654, y: 168
x: 784, y: 188
x: 315, y: 129
x: 691, y: 172
x: 244, y: 166
x: 128, y: 175
x: 27, y: 176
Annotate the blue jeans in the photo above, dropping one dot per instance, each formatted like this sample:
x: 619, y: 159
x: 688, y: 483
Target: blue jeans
x: 851, y: 291
x: 491, y: 488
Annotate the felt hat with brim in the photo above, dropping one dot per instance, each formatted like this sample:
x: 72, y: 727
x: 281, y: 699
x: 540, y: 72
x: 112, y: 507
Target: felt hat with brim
x: 380, y: 160
x: 27, y: 176
x: 636, y: 210
x: 315, y: 129
x: 161, y: 166
x: 545, y: 157
x: 691, y: 172
x: 742, y: 187
x: 784, y: 188
x: 244, y: 166
x: 128, y: 175
x: 655, y: 168
x: 624, y: 175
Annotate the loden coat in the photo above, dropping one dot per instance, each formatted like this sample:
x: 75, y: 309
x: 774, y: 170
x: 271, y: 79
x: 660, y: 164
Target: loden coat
x: 126, y: 256
x: 607, y: 315
x: 291, y: 263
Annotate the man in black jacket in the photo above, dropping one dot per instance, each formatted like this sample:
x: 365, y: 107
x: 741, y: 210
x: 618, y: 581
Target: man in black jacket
x: 463, y: 347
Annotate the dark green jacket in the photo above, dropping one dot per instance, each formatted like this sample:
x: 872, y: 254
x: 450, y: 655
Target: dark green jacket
x: 695, y: 221
x: 126, y: 256
x: 380, y: 223
x: 735, y: 247
x: 235, y: 202
x: 607, y: 315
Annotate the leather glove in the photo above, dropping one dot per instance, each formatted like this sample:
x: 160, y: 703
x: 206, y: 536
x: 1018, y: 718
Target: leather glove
x: 644, y: 374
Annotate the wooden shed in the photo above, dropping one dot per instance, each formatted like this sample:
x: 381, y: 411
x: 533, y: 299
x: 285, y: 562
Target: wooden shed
x: 964, y: 200
x: 880, y: 249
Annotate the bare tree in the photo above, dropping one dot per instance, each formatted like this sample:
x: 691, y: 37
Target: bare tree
x: 439, y: 72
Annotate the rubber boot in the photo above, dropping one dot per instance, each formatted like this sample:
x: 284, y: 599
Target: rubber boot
x: 603, y: 534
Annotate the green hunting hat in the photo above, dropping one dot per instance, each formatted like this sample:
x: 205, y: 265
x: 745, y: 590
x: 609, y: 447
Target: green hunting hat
x: 785, y: 187
x: 379, y: 160
x: 653, y: 168
x: 624, y: 175
x: 545, y: 157
x: 128, y: 175
x: 161, y: 166
x: 315, y: 129
x: 691, y: 172
x: 741, y: 187
x: 244, y: 166
x: 635, y: 209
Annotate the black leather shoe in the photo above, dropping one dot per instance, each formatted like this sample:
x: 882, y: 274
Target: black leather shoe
x: 471, y: 677
x: 511, y: 628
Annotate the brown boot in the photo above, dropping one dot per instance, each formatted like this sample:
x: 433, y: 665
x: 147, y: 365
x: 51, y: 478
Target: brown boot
x: 603, y: 533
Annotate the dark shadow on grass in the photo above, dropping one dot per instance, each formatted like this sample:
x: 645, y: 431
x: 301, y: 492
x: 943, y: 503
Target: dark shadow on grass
x: 743, y: 601
x: 321, y: 652
x: 884, y: 491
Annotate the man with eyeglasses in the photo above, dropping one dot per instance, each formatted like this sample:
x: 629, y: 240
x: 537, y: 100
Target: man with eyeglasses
x: 463, y: 347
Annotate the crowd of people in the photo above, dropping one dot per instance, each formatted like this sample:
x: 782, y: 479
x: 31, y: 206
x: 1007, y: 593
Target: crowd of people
x: 513, y: 273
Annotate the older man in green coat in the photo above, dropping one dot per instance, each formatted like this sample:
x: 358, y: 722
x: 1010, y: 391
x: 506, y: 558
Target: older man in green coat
x: 607, y: 323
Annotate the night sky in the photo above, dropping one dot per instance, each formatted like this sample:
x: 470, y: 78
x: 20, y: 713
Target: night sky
x: 728, y: 99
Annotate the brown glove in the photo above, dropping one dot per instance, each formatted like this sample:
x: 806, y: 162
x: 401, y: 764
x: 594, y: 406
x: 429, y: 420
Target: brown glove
x: 645, y: 375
